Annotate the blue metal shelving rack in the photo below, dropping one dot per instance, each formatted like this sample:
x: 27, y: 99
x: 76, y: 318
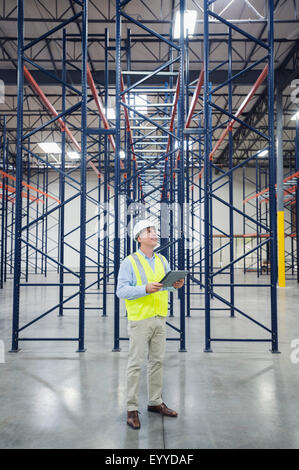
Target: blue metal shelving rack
x: 150, y: 187
x: 188, y: 178
x: 210, y: 188
x: 4, y: 205
x: 23, y: 148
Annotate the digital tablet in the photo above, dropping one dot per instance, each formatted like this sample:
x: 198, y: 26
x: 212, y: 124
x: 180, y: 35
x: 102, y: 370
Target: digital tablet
x: 173, y: 276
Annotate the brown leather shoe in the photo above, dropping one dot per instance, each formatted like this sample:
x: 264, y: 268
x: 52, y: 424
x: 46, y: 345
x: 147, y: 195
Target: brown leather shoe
x: 133, y: 420
x: 163, y: 410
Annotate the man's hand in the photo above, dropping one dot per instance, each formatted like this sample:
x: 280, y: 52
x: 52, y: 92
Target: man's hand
x: 178, y: 283
x: 152, y: 287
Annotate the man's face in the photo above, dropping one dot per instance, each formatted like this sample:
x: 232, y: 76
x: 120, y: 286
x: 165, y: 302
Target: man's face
x: 148, y: 237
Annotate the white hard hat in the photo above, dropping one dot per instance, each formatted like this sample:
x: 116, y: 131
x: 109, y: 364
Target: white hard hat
x: 141, y: 225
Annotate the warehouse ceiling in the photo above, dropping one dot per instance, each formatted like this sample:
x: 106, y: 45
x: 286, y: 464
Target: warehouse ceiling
x: 147, y: 53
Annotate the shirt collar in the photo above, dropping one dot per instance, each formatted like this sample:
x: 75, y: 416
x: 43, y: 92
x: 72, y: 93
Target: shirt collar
x: 144, y: 255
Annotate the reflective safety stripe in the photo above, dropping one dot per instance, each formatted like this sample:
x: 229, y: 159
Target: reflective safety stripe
x: 163, y: 262
x: 140, y: 268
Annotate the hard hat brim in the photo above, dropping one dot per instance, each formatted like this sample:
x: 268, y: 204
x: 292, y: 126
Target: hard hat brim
x: 139, y: 232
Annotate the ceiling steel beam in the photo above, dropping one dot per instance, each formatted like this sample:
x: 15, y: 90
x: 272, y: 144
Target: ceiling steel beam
x: 9, y: 76
x: 260, y: 108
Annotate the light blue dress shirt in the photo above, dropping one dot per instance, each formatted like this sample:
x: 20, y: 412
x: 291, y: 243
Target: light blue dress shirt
x: 126, y: 282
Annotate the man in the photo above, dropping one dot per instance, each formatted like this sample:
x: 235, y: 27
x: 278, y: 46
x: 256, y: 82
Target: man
x: 147, y: 304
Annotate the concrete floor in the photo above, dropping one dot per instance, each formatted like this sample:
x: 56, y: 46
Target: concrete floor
x: 239, y: 396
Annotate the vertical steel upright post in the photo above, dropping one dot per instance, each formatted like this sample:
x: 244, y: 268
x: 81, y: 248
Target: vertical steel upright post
x: 106, y: 179
x: 258, y: 217
x: 280, y: 189
x: 181, y: 176
x: 171, y: 215
x: 128, y: 151
x: 4, y: 203
x: 244, y: 220
x: 43, y: 223
x: 27, y: 220
x: 62, y: 181
x: 211, y: 240
x: 82, y: 280
x: 201, y: 248
x: 4, y: 214
x: 6, y: 221
x: 46, y: 223
x: 12, y: 241
x: 297, y: 194
x: 187, y: 176
x: 99, y: 187
x: 231, y: 185
x: 19, y: 172
x: 272, y: 179
x: 207, y: 189
x: 37, y: 226
x: 117, y: 172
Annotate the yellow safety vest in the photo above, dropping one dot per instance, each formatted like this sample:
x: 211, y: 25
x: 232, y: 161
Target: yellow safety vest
x: 151, y: 304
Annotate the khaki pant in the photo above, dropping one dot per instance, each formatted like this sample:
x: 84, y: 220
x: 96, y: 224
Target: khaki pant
x: 146, y: 337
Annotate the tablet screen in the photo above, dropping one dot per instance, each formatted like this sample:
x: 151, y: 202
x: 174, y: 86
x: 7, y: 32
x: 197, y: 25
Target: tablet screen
x: 173, y: 276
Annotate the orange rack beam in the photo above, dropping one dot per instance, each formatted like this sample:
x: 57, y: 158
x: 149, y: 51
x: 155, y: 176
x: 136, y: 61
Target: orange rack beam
x: 30, y: 187
x: 194, y: 100
x: 248, y: 98
x: 128, y: 127
x: 12, y: 189
x: 100, y: 108
x: 294, y: 175
x: 54, y: 113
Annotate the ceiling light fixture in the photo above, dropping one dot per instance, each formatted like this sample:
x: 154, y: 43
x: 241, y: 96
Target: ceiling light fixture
x: 74, y: 155
x: 263, y: 153
x: 110, y: 113
x: 177, y: 145
x: 49, y: 147
x: 189, y: 23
